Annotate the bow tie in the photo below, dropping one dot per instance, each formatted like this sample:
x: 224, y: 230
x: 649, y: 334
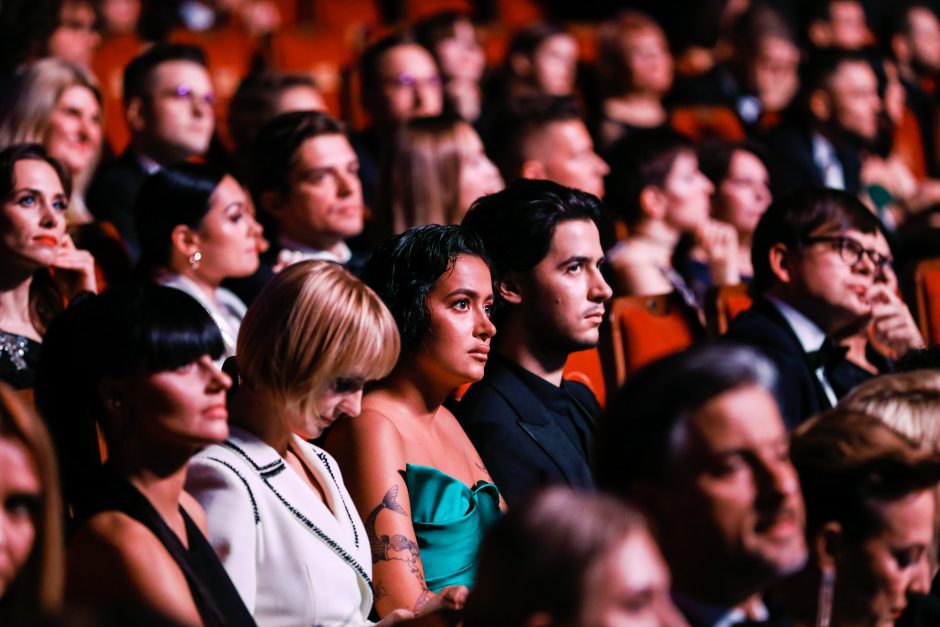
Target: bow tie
x: 828, y: 355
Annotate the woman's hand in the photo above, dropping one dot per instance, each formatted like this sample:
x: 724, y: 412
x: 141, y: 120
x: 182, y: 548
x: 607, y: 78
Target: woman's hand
x: 449, y: 598
x: 719, y: 241
x: 395, y: 617
x: 74, y: 269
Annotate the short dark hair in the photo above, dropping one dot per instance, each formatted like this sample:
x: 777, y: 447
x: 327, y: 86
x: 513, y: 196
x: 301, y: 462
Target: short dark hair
x: 129, y: 330
x: 527, y: 40
x: 848, y: 461
x: 518, y: 223
x: 174, y: 195
x: 139, y: 71
x: 255, y: 102
x: 433, y: 29
x: 715, y: 156
x: 640, y: 433
x: 823, y: 64
x: 404, y: 269
x: 793, y: 217
x: 275, y: 149
x: 527, y: 118
x: 642, y: 159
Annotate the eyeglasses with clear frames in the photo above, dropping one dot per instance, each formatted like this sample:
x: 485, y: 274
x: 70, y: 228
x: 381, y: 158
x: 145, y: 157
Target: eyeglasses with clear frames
x: 851, y: 251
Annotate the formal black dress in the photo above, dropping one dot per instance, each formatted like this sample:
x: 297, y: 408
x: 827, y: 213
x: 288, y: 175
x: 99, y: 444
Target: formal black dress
x: 215, y: 596
x: 19, y: 358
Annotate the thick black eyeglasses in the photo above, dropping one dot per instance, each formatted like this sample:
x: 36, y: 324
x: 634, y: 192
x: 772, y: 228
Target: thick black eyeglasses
x: 851, y: 251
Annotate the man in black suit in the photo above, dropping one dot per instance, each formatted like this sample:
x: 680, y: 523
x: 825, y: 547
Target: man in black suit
x: 530, y: 427
x: 822, y: 272
x: 838, y: 116
x: 168, y: 107
x: 305, y: 185
x: 697, y: 440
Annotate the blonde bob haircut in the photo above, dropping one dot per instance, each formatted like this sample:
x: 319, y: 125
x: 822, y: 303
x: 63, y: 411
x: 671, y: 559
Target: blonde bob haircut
x: 37, y: 589
x: 908, y: 402
x: 313, y: 323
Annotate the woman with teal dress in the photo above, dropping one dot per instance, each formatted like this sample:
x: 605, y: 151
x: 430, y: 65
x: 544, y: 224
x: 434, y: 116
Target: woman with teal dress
x: 418, y: 482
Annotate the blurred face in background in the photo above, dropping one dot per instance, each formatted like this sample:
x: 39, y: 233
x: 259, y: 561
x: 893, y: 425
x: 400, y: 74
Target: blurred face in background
x: 74, y: 133
x: 20, y: 501
x: 744, y: 194
x: 555, y: 65
x: 478, y: 175
x: 461, y: 56
x: 774, y: 72
x: 76, y: 37
x: 649, y: 61
x: 409, y: 85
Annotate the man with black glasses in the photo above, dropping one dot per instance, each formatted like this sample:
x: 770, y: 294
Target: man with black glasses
x: 822, y: 273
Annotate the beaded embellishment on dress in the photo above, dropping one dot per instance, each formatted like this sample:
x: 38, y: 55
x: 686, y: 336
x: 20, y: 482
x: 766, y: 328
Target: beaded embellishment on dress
x: 15, y: 346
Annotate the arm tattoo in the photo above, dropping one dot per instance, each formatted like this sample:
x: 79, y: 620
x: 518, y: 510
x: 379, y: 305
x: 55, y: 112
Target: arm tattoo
x: 396, y: 547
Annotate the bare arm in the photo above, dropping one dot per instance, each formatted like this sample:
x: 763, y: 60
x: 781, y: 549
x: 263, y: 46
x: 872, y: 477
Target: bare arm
x: 114, y: 557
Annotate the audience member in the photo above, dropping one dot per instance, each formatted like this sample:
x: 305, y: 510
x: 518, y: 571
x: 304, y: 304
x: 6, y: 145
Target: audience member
x: 414, y: 475
x: 138, y: 362
x: 914, y: 41
x: 766, y: 65
x: 530, y: 426
x: 260, y: 97
x: 908, y: 402
x: 541, y: 59
x: 59, y: 105
x: 34, y: 192
x: 547, y: 139
x: 76, y: 36
x: 451, y: 37
x: 870, y: 507
x: 656, y: 187
x: 739, y: 175
x: 819, y: 257
x: 711, y: 467
x: 278, y: 513
x: 433, y: 171
x: 565, y: 558
x: 304, y: 181
x: 838, y: 114
x: 32, y: 562
x: 400, y: 80
x: 634, y: 73
x: 838, y: 24
x: 119, y: 17
x: 197, y: 228
x: 168, y: 107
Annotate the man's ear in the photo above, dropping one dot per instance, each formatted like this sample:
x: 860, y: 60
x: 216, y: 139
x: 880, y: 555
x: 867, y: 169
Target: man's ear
x: 653, y: 202
x: 780, y: 257
x: 509, y: 289
x: 827, y: 546
x: 184, y: 240
x: 532, y: 169
x: 135, y: 115
x: 820, y: 105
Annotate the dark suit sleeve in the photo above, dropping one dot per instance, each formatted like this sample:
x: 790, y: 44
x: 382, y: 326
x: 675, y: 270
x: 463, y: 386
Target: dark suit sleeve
x: 491, y: 425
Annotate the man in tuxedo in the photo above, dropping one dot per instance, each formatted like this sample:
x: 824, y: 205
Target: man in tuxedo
x: 168, y: 107
x: 697, y: 440
x: 821, y: 270
x: 529, y: 425
x: 819, y: 145
x: 305, y: 184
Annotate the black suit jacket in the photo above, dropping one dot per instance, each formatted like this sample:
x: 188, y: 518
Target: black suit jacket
x: 791, y: 160
x: 112, y: 194
x: 798, y: 392
x: 520, y: 442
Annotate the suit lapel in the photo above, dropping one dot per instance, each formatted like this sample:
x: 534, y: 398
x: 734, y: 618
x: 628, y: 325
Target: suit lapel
x: 531, y: 418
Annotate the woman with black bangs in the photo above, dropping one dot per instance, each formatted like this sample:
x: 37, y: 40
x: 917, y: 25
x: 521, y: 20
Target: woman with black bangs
x: 138, y: 363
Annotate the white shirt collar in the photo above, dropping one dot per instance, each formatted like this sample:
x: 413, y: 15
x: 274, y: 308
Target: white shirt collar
x: 811, y: 337
x: 308, y: 252
x: 713, y: 616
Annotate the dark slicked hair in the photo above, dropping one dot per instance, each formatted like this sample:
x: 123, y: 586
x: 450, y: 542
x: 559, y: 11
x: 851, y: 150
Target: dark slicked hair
x: 404, y: 270
x: 642, y: 431
x: 795, y: 216
x: 138, y: 73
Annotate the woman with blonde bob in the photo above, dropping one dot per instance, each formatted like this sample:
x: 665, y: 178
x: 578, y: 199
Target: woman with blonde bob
x: 279, y: 515
x: 434, y: 170
x: 59, y: 105
x: 31, y: 526
x: 907, y: 401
